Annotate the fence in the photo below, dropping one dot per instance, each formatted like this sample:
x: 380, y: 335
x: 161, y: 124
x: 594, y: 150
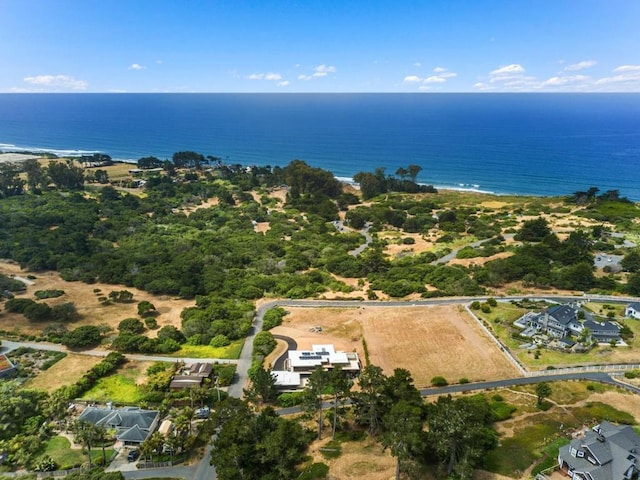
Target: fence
x: 59, y: 473
x: 585, y: 369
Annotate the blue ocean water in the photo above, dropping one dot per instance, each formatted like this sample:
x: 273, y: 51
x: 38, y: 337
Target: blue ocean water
x: 542, y: 144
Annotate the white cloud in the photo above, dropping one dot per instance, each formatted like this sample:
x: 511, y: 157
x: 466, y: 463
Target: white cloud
x: 435, y: 79
x: 270, y: 76
x: 580, y: 66
x: 417, y: 64
x: 508, y: 70
x: 57, y: 82
x: 627, y: 68
x: 565, y: 80
x: 441, y: 76
x: 482, y: 86
x: 412, y: 79
x: 511, y: 77
x: 319, y: 71
x: 284, y: 83
x: 323, y: 70
x: 137, y: 66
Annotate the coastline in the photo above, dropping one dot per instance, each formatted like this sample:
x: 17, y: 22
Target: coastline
x: 14, y: 156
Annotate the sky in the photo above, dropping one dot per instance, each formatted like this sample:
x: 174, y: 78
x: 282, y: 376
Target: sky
x: 319, y: 46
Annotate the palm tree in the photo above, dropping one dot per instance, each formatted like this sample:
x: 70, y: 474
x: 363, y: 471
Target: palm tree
x: 86, y: 434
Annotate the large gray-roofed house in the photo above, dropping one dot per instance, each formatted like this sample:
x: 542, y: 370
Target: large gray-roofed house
x: 607, y: 452
x: 133, y: 425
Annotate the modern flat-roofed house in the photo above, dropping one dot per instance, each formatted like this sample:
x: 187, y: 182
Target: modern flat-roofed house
x: 7, y: 369
x: 606, y: 452
x: 287, y: 381
x: 633, y: 310
x: 300, y: 364
x: 325, y: 356
x: 133, y: 425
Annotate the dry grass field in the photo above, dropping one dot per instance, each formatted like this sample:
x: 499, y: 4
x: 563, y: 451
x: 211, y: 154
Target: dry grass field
x: 85, y: 297
x: 427, y: 341
x: 65, y: 372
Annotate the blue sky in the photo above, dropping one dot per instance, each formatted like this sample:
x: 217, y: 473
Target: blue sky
x: 319, y: 46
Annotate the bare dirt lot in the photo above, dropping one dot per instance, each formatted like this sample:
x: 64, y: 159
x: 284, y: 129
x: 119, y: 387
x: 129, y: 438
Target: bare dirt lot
x: 85, y: 297
x: 427, y: 341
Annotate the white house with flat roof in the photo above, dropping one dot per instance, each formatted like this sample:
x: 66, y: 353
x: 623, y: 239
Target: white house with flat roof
x: 300, y: 364
x: 323, y: 356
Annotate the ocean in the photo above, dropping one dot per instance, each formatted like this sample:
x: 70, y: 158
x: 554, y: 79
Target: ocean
x: 540, y: 144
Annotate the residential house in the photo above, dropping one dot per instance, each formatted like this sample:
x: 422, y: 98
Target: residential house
x: 633, y: 310
x: 191, y: 376
x: 325, y: 356
x: 300, y: 364
x: 133, y: 425
x: 7, y: 369
x: 606, y: 452
x: 562, y: 322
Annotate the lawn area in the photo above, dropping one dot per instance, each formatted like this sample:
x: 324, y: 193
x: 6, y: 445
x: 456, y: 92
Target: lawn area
x: 501, y: 317
x: 231, y: 351
x: 59, y: 449
x: 122, y: 387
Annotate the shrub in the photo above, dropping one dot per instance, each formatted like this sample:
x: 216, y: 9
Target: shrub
x: 151, y: 323
x: 290, y: 399
x: 82, y: 337
x: 485, y: 308
x: 315, y: 471
x: 408, y: 241
x: 439, y: 381
x: 42, y: 294
x: 273, y: 318
x: 131, y: 325
x: 492, y: 302
x: 463, y: 380
x: 475, y: 305
x: 220, y: 341
x: 263, y: 344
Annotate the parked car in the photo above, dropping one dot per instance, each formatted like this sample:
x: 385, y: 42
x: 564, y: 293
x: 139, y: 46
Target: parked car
x: 133, y: 455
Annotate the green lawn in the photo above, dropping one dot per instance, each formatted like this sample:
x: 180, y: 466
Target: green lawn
x: 231, y: 351
x: 501, y: 317
x: 59, y: 449
x: 119, y: 387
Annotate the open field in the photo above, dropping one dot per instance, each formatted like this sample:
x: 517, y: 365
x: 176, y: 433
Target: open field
x: 122, y: 386
x: 85, y: 297
x: 427, y: 341
x: 64, y: 372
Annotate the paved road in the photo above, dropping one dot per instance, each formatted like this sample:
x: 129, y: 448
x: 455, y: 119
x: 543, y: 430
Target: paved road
x: 8, y: 345
x: 291, y: 345
x: 450, y: 256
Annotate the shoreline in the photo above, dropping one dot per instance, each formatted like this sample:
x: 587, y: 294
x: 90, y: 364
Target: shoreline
x: 10, y: 153
x: 15, y: 157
